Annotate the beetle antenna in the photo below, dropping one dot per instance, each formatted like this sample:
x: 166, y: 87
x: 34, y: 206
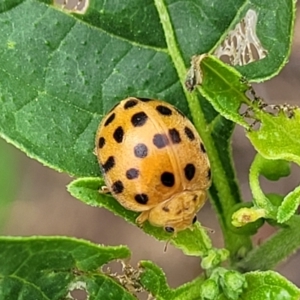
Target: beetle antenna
x: 166, y: 245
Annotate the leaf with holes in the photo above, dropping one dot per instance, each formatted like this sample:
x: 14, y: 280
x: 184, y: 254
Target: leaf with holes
x: 225, y: 88
x: 52, y: 267
x: 60, y: 72
x: 278, y: 136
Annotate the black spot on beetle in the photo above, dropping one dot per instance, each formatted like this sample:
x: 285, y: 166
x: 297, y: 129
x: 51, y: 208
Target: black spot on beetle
x: 132, y: 173
x: 117, y: 187
x: 130, y: 103
x: 140, y: 150
x: 189, y: 133
x: 101, y: 142
x: 139, y: 119
x: 110, y: 119
x: 109, y: 164
x: 164, y: 110
x: 189, y: 171
x: 167, y: 179
x: 175, y: 136
x: 166, y: 209
x: 118, y: 134
x: 202, y: 148
x: 141, y: 198
x: 160, y: 140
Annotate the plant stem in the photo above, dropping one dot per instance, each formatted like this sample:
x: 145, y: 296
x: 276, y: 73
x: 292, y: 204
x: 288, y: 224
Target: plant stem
x: 224, y: 192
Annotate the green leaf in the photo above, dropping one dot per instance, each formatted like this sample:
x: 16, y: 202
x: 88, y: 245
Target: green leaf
x: 214, y: 258
x: 275, y: 249
x: 210, y: 21
x: 51, y: 267
x: 223, y: 284
x: 209, y: 290
x: 102, y: 287
x: 289, y: 205
x: 225, y: 89
x: 56, y: 87
x: 233, y: 284
x: 276, y: 37
x: 273, y: 170
x: 278, y: 136
x: 153, y: 280
x: 112, y: 17
x: 269, y: 286
x: 191, y: 242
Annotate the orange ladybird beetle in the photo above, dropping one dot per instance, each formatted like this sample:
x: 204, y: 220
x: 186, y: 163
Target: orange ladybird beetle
x: 154, y: 162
